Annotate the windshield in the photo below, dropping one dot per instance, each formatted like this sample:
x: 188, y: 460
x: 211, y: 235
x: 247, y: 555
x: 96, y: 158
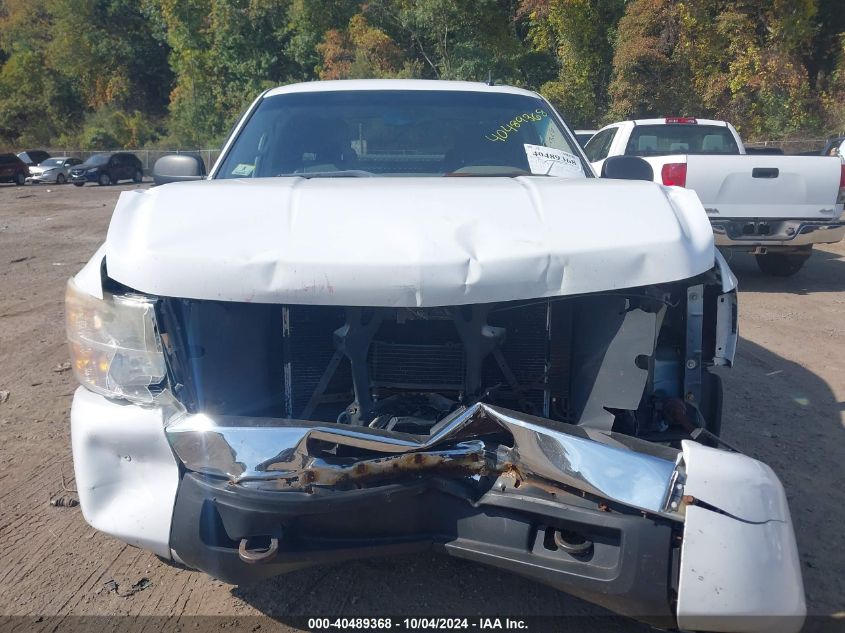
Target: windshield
x: 407, y: 133
x: 98, y: 159
x: 52, y: 162
x: 681, y: 138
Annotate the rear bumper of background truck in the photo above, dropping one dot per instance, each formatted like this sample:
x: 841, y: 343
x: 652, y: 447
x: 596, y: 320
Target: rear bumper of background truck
x: 750, y: 233
x: 729, y: 563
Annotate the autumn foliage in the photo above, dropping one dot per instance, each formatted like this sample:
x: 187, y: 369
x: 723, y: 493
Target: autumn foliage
x: 106, y: 73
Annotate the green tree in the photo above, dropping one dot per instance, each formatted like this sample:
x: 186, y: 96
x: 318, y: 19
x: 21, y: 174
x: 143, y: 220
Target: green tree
x: 739, y: 60
x: 455, y: 39
x: 745, y: 62
x: 35, y: 99
x: 833, y: 99
x: 186, y: 27
x: 647, y: 79
x: 309, y: 23
x: 223, y: 53
x: 362, y: 50
x: 580, y: 34
x: 107, y: 47
x: 126, y: 72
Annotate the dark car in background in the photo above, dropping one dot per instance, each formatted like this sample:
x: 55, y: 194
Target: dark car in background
x: 33, y: 156
x: 108, y: 168
x: 13, y: 169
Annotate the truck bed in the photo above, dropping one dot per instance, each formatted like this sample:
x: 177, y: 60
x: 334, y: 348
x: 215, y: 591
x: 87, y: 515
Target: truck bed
x: 760, y: 186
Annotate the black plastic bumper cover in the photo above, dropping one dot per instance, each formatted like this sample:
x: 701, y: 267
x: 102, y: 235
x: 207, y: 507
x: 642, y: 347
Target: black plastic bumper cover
x: 627, y: 570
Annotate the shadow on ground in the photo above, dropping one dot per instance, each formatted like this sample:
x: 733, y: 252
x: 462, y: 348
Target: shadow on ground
x: 775, y: 410
x: 788, y: 417
x: 823, y: 272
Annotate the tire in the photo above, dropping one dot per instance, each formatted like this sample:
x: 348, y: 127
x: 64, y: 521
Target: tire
x: 138, y: 177
x: 60, y: 179
x: 104, y: 179
x: 20, y: 179
x: 781, y: 264
x: 78, y: 184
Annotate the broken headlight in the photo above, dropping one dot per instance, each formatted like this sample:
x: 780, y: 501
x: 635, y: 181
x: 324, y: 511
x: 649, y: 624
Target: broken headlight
x: 115, y: 349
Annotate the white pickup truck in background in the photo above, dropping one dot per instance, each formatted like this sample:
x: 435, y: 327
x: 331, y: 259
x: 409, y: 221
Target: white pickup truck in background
x: 775, y: 207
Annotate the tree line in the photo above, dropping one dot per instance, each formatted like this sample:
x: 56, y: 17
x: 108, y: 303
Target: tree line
x: 134, y: 73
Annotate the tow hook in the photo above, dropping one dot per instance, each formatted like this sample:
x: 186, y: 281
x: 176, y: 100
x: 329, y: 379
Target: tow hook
x: 258, y: 554
x: 573, y: 543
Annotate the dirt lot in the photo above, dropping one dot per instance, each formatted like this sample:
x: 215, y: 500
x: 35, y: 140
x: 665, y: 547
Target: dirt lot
x: 784, y: 404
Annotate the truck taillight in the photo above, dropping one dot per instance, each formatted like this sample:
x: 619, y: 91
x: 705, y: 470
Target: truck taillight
x: 674, y: 174
x: 681, y: 119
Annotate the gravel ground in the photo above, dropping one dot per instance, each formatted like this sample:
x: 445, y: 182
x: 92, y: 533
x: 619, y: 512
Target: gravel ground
x: 784, y: 404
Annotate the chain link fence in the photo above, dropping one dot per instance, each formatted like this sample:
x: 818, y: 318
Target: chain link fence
x: 209, y: 156
x: 148, y: 157
x: 791, y: 146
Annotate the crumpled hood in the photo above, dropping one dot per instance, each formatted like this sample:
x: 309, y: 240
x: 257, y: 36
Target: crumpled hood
x: 404, y: 241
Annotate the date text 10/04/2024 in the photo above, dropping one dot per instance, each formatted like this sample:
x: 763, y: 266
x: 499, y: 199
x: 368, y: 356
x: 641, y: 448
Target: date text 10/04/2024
x: 416, y: 624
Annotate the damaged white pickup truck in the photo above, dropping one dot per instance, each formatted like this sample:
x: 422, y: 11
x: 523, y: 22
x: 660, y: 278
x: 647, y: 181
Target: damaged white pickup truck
x: 406, y: 314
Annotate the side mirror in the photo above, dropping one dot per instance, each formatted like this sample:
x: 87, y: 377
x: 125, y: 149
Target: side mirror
x: 178, y: 168
x: 627, y: 168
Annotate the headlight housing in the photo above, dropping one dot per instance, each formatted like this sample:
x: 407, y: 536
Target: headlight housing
x: 115, y: 348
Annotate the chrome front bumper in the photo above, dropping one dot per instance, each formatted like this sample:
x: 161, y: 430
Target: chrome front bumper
x: 285, y: 455
x: 754, y: 232
x: 486, y: 486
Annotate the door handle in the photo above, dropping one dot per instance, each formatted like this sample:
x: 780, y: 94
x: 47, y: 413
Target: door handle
x: 765, y: 172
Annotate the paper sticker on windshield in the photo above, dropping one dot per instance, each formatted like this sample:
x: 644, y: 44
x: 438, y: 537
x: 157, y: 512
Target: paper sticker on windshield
x: 550, y: 161
x: 243, y: 170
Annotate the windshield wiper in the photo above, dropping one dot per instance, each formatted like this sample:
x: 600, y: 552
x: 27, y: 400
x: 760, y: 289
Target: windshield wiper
x: 343, y: 173
x: 490, y: 171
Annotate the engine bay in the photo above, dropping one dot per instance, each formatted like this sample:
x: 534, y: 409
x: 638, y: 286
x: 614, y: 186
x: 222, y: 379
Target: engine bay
x: 633, y: 361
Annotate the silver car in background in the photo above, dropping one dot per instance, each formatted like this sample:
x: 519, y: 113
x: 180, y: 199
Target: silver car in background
x: 53, y: 170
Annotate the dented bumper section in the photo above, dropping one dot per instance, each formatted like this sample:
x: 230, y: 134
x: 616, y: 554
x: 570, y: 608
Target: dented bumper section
x: 641, y: 529
x: 518, y: 446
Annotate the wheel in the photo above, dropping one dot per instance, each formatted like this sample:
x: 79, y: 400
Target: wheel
x: 781, y: 264
x: 139, y: 176
x: 104, y: 179
x: 60, y: 179
x: 20, y: 179
x: 78, y: 184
